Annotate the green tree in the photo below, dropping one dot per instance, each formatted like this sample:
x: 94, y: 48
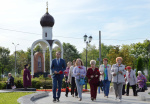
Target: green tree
x: 113, y: 53
x: 4, y: 59
x: 139, y: 65
x: 92, y: 54
x: 70, y: 52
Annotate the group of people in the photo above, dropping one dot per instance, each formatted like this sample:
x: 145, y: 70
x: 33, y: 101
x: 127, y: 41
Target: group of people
x: 118, y: 74
x: 75, y: 73
x: 26, y: 79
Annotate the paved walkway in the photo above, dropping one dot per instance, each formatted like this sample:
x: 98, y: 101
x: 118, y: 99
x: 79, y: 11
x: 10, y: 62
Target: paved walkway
x: 86, y: 99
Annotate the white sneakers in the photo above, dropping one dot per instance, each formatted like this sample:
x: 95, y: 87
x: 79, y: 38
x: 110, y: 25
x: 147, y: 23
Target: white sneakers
x: 120, y: 100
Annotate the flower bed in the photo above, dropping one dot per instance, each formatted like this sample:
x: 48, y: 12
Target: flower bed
x: 62, y: 90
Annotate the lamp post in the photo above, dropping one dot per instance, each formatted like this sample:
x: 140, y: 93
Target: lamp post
x: 87, y: 41
x: 15, y: 57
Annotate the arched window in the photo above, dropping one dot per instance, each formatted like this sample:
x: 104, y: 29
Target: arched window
x: 39, y: 63
x: 45, y: 34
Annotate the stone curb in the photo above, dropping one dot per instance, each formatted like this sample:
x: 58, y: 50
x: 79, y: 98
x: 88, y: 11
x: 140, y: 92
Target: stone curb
x: 28, y: 99
x: 144, y: 96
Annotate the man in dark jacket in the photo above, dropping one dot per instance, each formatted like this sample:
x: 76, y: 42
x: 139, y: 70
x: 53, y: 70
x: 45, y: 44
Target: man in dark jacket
x: 58, y: 66
x: 10, y: 81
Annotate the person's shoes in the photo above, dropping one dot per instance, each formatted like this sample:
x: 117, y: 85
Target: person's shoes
x: 57, y: 99
x: 92, y: 99
x: 72, y: 95
x: 116, y: 98
x: 135, y: 95
x: 66, y: 95
x: 106, y: 96
x: 76, y: 96
x: 54, y: 100
x: 80, y: 99
x: 120, y: 100
x: 127, y: 94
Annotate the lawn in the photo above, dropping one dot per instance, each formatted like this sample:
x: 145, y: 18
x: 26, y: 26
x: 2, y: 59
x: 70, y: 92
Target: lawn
x: 11, y: 97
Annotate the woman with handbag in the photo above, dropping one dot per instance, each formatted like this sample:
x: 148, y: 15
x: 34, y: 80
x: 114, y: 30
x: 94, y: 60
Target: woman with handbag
x: 105, y: 71
x: 118, y: 72
x: 79, y: 72
x: 93, y: 79
x: 141, y: 79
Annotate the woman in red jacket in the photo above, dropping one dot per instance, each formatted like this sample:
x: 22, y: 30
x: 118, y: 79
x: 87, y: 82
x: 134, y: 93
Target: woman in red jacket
x: 93, y: 78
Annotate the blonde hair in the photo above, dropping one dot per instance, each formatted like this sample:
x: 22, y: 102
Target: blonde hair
x: 69, y: 62
x: 93, y: 62
x: 77, y: 61
x: 119, y: 58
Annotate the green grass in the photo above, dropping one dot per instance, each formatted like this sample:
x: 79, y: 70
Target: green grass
x: 11, y: 97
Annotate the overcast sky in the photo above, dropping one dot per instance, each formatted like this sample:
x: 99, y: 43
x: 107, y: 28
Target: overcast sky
x: 120, y: 21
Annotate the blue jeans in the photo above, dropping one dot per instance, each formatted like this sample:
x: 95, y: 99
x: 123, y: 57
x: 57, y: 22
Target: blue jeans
x: 79, y: 88
x: 100, y: 88
x: 57, y: 80
x: 106, y: 85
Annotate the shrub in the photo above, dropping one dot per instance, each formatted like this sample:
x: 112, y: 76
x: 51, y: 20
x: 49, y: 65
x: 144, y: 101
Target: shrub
x: 139, y: 65
x: 2, y: 85
x: 148, y: 84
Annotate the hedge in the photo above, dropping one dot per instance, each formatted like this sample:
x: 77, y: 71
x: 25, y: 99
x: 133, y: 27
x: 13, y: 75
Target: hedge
x: 36, y: 83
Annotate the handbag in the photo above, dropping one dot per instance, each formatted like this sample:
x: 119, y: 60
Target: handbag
x: 100, y: 83
x: 82, y: 81
x: 14, y: 87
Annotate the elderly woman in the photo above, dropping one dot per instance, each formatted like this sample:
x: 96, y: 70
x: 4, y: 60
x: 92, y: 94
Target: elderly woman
x: 26, y: 77
x: 79, y: 72
x: 105, y: 71
x: 141, y: 79
x: 118, y: 72
x: 93, y: 78
x: 66, y: 77
x: 71, y: 79
x: 131, y: 81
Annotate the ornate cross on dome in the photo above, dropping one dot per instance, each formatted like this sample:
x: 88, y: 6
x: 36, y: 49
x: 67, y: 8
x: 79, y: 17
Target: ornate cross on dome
x: 47, y: 6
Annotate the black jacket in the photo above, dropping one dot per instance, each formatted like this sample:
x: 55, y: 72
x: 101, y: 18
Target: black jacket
x: 11, y: 81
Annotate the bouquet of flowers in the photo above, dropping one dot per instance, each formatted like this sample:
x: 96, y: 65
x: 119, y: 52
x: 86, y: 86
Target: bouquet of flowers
x: 60, y: 72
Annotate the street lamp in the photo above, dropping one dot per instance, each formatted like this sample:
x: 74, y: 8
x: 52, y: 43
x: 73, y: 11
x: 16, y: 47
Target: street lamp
x: 86, y: 41
x: 15, y: 57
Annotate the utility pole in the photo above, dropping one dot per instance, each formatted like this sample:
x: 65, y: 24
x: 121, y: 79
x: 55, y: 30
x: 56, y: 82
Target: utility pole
x: 15, y: 57
x: 99, y: 48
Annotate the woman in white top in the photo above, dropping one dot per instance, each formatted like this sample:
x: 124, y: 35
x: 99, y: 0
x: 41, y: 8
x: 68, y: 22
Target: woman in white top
x: 131, y: 80
x: 105, y: 71
x: 71, y: 79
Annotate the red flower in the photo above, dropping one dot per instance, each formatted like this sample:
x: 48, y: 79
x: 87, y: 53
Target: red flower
x: 60, y: 72
x: 125, y: 68
x: 80, y: 67
x: 67, y: 87
x: 65, y: 72
x: 97, y: 70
